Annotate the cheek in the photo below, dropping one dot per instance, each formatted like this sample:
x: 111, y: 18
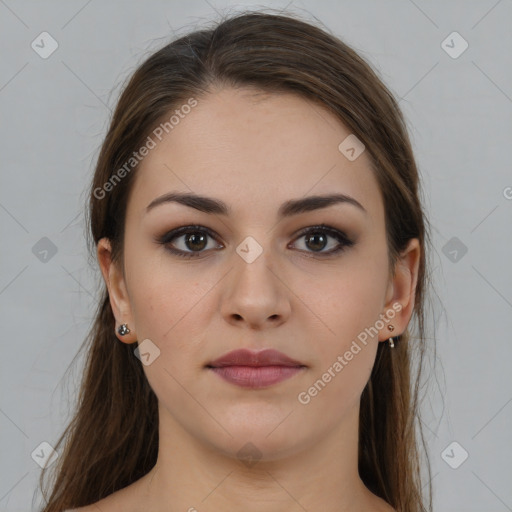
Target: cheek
x: 350, y: 301
x: 335, y: 390
x: 349, y: 305
x: 345, y: 351
x: 170, y: 305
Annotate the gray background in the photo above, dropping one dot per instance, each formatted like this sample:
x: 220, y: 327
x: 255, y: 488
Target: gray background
x: 54, y: 114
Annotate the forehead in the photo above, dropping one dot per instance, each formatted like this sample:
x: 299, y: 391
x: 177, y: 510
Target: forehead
x: 247, y: 147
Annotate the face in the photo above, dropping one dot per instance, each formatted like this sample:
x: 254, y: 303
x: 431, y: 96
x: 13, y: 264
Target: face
x: 259, y: 276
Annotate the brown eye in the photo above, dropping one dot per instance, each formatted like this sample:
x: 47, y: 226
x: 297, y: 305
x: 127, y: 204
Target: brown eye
x: 194, y: 241
x: 316, y: 239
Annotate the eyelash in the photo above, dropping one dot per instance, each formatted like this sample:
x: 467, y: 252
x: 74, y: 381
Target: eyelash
x: 341, y: 237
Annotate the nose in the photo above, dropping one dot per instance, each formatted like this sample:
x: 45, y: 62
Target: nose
x: 256, y: 295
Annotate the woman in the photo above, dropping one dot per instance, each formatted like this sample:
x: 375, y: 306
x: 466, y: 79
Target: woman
x: 256, y: 216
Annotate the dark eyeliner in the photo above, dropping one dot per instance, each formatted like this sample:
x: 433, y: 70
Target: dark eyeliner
x: 343, y: 240
x: 167, y: 237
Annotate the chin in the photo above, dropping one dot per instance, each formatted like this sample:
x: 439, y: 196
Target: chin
x: 263, y: 440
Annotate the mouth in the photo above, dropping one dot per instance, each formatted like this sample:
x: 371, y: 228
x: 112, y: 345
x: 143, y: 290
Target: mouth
x: 256, y: 370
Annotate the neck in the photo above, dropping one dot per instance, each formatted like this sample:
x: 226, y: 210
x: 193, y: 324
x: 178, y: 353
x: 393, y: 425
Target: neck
x: 192, y: 476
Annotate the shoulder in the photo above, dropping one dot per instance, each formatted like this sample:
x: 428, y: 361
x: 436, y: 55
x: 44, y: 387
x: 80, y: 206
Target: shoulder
x: 127, y: 499
x: 104, y: 505
x: 95, y: 507
x: 107, y: 504
x: 379, y: 505
x: 122, y: 500
x: 385, y: 507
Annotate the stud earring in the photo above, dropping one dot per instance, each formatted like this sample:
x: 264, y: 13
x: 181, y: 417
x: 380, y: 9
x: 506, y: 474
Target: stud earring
x: 123, y: 329
x: 390, y: 340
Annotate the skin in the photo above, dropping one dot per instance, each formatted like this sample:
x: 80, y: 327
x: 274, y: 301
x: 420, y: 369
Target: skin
x: 255, y: 151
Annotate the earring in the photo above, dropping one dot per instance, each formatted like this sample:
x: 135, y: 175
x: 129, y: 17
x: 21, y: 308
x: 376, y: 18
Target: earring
x: 123, y: 329
x: 390, y: 340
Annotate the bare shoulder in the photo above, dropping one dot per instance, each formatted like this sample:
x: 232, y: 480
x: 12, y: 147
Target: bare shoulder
x: 88, y: 508
x: 380, y: 505
x: 100, y: 506
x: 105, y: 505
x: 111, y: 503
x: 385, y: 507
x: 123, y: 500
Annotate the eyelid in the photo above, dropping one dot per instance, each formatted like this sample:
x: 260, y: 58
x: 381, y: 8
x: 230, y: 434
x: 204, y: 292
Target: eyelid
x: 344, y: 241
x: 183, y: 230
x: 324, y: 228
x: 342, y: 238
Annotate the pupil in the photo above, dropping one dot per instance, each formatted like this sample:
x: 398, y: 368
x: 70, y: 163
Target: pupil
x: 315, y: 241
x: 195, y: 238
x: 315, y: 238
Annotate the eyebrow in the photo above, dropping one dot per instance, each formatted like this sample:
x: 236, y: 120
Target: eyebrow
x: 292, y: 207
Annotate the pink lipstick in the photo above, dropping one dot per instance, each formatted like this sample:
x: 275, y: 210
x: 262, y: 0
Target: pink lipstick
x: 255, y: 370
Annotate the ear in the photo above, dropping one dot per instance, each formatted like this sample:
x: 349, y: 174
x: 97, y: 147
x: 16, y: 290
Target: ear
x: 117, y: 290
x: 400, y: 295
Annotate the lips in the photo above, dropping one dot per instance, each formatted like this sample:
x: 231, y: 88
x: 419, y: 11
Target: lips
x: 255, y: 370
x: 245, y: 357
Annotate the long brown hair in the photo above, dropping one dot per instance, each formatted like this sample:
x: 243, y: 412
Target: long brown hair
x: 112, y: 439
